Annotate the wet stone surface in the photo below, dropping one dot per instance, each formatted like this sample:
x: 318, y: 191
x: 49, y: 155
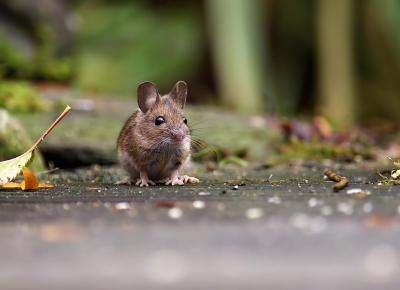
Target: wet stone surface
x: 269, y: 228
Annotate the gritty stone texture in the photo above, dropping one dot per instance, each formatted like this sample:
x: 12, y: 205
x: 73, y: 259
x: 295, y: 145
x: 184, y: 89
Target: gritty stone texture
x: 285, y: 231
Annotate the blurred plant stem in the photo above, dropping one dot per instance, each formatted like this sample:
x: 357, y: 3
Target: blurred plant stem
x: 235, y: 30
x: 336, y: 79
x: 391, y: 10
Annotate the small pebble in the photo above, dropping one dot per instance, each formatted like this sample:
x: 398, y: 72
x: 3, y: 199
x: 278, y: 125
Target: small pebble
x: 254, y: 213
x: 198, y: 204
x: 353, y: 190
x: 175, y: 213
x: 122, y: 206
x: 204, y: 193
x: 313, y: 202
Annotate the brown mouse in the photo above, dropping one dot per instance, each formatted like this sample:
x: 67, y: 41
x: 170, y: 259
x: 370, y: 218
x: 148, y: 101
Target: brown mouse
x: 155, y: 141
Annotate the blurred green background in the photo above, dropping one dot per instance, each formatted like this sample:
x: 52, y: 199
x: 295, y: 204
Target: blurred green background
x: 335, y: 58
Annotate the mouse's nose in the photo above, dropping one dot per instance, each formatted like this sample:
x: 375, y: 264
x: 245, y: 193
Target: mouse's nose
x: 177, y: 134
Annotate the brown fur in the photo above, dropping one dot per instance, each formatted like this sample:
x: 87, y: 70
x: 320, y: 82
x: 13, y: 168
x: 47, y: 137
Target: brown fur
x: 144, y: 146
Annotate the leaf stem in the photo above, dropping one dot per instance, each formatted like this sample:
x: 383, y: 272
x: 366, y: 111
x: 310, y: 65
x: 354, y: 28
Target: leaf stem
x: 67, y: 109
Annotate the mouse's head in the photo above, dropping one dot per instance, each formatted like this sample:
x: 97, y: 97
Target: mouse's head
x: 163, y: 115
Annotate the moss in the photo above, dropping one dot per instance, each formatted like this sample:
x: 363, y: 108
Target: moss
x: 321, y: 150
x: 47, y: 66
x: 13, y: 63
x: 20, y: 97
x: 117, y: 53
x: 43, y: 65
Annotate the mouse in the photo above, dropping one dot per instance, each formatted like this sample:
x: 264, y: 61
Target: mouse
x: 155, y: 141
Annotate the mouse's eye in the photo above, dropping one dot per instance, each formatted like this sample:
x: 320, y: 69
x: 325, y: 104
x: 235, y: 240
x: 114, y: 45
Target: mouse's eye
x: 184, y: 120
x: 160, y: 120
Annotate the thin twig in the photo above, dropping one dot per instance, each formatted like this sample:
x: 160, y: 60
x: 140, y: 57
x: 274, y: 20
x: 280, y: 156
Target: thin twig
x: 47, y: 171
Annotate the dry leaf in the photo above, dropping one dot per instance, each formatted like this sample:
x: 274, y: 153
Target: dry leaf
x: 9, y: 169
x: 30, y: 181
x: 11, y: 185
x: 45, y: 185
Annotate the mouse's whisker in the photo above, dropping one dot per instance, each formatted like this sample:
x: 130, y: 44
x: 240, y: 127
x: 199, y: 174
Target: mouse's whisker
x: 198, y: 143
x: 192, y: 125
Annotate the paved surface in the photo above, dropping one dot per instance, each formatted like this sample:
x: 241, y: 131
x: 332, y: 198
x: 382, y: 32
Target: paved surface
x: 288, y: 232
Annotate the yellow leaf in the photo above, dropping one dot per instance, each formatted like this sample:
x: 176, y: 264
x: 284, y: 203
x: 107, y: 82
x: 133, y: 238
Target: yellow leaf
x: 30, y: 181
x: 11, y: 185
x: 23, y: 183
x: 45, y: 185
x: 9, y: 169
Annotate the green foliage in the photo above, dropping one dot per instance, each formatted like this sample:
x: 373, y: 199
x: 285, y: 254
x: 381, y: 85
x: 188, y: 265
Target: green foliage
x: 318, y: 149
x: 42, y: 65
x: 47, y: 65
x: 221, y: 161
x: 20, y: 97
x: 123, y: 44
x: 10, y: 59
x: 394, y: 178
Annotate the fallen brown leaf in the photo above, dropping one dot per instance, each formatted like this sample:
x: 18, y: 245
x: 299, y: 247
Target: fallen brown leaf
x: 30, y: 181
x: 45, y: 185
x: 12, y: 185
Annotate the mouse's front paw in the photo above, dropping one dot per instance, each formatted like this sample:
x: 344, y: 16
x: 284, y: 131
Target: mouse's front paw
x: 174, y: 181
x: 186, y: 179
x: 144, y: 180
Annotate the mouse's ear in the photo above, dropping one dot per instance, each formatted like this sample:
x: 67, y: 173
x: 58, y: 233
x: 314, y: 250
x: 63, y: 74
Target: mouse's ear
x: 179, y: 93
x: 147, y: 95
